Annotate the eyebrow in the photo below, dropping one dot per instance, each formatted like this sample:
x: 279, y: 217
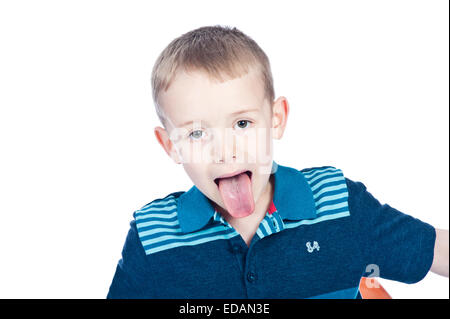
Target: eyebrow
x: 231, y: 114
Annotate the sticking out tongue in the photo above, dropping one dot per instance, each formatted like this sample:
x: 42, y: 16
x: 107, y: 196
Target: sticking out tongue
x: 236, y: 193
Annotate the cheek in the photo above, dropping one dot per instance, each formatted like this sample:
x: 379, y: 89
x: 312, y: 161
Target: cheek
x: 257, y: 143
x: 192, y: 172
x: 198, y: 174
x: 195, y: 152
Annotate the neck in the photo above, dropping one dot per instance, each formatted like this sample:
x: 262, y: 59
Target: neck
x: 247, y: 226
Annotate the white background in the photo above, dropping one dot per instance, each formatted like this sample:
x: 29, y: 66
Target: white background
x: 367, y: 83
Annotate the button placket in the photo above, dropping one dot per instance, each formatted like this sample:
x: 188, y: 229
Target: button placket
x: 236, y: 249
x: 251, y: 277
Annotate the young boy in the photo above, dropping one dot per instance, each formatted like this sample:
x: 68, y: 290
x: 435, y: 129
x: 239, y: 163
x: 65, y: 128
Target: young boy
x: 250, y: 228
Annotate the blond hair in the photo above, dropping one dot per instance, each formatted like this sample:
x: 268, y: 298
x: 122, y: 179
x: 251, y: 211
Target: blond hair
x: 217, y: 51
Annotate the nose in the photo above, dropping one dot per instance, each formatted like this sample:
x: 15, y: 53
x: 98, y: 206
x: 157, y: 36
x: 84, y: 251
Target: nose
x: 224, y: 146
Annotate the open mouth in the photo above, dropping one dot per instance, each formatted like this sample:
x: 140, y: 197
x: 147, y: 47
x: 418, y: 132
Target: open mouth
x: 249, y: 174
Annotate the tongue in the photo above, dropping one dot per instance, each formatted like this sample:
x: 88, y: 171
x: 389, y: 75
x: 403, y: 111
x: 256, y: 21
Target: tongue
x: 236, y: 193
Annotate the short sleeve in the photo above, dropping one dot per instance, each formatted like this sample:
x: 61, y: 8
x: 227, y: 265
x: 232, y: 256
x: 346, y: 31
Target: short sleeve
x: 399, y: 245
x: 131, y: 277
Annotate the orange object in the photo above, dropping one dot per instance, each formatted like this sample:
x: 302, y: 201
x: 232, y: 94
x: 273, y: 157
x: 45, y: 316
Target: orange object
x: 370, y: 288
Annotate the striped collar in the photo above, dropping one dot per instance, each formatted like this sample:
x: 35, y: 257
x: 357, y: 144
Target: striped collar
x: 293, y: 199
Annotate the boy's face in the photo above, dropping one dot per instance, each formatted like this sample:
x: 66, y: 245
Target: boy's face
x: 216, y: 129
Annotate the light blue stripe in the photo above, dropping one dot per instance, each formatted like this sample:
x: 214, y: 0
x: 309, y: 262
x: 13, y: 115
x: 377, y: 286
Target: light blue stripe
x: 223, y: 221
x: 190, y: 243
x: 260, y: 234
x: 331, y: 207
x: 157, y: 223
x: 158, y: 230
x: 158, y: 202
x: 325, y: 181
x: 279, y: 221
x: 266, y: 227
x: 316, y: 220
x: 165, y: 216
x: 349, y: 293
x: 316, y: 171
x: 219, y: 218
x: 216, y: 216
x: 170, y: 200
x: 155, y: 209
x: 331, y: 197
x: 215, y: 229
x: 330, y: 189
x: 321, y: 175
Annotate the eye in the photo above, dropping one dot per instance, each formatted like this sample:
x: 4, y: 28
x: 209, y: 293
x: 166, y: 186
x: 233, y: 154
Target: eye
x: 195, y: 135
x: 243, y: 123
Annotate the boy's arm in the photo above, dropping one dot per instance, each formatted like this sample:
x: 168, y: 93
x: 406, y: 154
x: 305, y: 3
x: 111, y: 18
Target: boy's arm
x: 440, y: 259
x: 401, y: 246
x: 131, y: 279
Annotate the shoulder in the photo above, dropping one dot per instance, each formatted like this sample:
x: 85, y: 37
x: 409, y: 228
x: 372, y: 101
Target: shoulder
x: 329, y: 174
x: 162, y: 206
x: 157, y: 223
x: 159, y: 212
x: 320, y: 171
x: 323, y: 177
x: 328, y: 190
x: 162, y: 200
x: 313, y: 169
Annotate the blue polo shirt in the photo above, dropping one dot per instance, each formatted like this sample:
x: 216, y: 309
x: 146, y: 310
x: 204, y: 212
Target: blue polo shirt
x: 322, y: 234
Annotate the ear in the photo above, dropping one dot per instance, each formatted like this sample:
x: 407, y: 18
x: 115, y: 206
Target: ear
x: 163, y: 139
x: 279, y: 117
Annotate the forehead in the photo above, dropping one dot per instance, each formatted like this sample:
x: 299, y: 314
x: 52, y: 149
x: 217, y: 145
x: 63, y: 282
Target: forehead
x: 195, y: 96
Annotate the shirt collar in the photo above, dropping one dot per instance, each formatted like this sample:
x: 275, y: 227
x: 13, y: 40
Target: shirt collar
x: 293, y: 199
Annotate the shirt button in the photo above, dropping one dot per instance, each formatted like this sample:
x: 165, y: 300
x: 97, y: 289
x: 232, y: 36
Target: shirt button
x: 236, y: 249
x: 251, y: 277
